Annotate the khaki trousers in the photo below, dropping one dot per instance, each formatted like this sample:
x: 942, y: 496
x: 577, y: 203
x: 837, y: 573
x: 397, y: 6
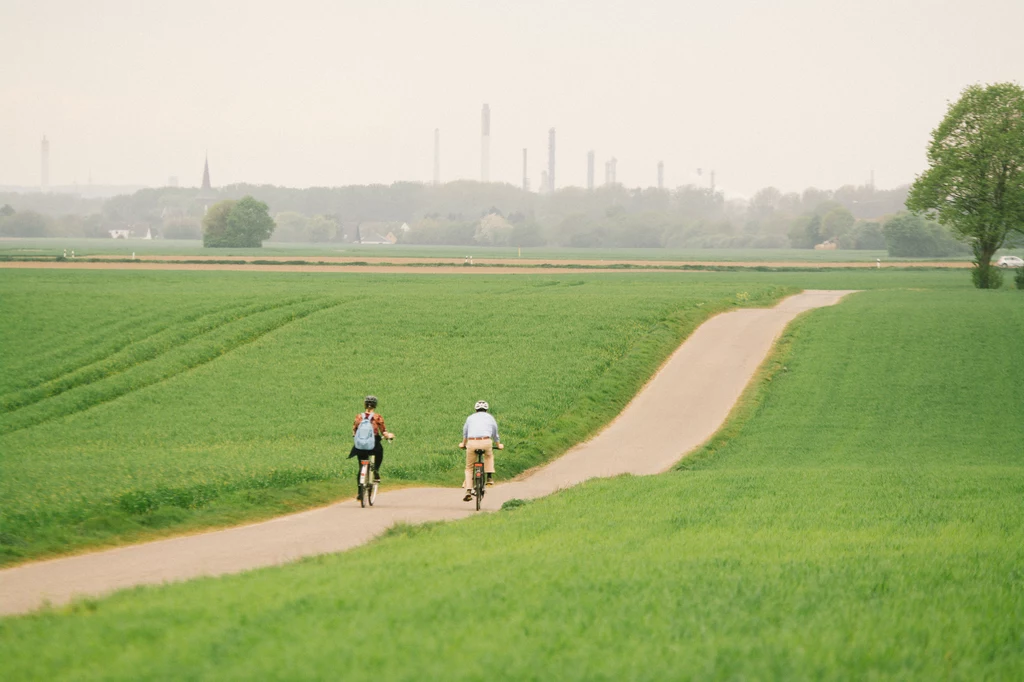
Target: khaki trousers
x: 477, y: 444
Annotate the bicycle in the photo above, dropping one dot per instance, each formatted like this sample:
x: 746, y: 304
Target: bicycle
x: 368, y: 483
x: 479, y: 478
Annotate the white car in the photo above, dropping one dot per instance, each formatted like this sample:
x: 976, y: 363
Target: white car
x: 1010, y: 262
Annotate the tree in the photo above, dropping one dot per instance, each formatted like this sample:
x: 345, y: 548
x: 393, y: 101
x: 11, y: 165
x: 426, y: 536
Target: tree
x: 322, y: 228
x: 975, y: 180
x: 291, y: 227
x: 493, y: 230
x: 837, y: 222
x: 24, y: 224
x: 215, y: 224
x: 805, y: 232
x: 911, y: 236
x: 242, y: 223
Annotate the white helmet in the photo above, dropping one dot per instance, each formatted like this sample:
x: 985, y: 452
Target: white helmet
x: 481, y: 405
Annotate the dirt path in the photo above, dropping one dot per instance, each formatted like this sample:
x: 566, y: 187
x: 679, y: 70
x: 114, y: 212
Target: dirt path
x: 365, y: 269
x: 431, y: 266
x: 590, y: 262
x: 680, y: 408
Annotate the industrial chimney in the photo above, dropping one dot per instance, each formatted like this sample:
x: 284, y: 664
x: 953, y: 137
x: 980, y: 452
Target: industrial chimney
x: 485, y: 144
x: 437, y: 156
x: 551, y: 159
x: 45, y: 164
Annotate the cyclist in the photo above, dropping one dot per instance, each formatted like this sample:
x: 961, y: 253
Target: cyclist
x: 379, y: 431
x: 480, y: 432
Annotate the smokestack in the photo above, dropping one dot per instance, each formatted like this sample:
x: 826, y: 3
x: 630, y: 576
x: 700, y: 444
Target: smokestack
x: 485, y: 144
x: 44, y: 160
x: 610, y: 172
x: 661, y: 175
x: 551, y: 159
x: 526, y: 180
x: 437, y: 156
x: 544, y: 187
x: 590, y: 171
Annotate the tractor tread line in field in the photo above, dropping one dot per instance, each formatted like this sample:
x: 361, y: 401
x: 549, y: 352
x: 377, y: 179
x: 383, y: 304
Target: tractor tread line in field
x: 14, y: 398
x: 127, y: 384
x: 94, y: 343
x: 137, y: 352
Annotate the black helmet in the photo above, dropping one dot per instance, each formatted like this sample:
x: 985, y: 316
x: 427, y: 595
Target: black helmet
x: 370, y: 401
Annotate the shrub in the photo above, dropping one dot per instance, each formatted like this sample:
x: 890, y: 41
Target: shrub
x: 1018, y: 279
x: 986, y: 278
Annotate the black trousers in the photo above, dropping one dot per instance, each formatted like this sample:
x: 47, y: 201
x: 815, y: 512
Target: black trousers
x: 377, y: 453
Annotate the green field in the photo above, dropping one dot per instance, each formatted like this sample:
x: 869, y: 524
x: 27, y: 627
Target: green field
x: 171, y: 247
x: 860, y: 517
x: 134, y: 403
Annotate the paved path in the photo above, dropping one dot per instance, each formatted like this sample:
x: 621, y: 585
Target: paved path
x: 680, y: 408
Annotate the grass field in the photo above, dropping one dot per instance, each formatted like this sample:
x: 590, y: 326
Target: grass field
x: 859, y: 518
x: 138, y: 403
x: 97, y: 247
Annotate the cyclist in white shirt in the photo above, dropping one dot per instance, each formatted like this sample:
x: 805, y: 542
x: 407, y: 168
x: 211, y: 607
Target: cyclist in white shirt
x: 480, y: 432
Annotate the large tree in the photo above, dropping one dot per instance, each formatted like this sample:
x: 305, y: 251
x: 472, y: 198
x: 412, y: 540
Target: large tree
x: 975, y: 181
x: 242, y: 223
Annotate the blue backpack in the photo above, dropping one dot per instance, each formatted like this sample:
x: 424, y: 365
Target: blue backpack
x: 364, y: 439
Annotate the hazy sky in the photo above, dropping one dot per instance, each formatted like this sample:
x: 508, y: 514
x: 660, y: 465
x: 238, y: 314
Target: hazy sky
x: 790, y: 93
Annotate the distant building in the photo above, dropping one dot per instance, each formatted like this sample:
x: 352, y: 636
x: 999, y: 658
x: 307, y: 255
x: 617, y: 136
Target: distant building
x: 375, y: 238
x: 120, y: 234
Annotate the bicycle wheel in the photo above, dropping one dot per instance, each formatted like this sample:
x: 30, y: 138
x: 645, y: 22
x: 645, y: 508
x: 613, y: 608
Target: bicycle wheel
x: 372, y: 497
x: 478, y: 484
x: 364, y: 484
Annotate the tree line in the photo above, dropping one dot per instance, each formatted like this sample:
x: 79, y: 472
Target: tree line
x: 468, y: 212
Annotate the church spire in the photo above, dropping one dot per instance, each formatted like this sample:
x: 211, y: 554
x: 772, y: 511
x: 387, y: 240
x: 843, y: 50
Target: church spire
x: 206, y: 173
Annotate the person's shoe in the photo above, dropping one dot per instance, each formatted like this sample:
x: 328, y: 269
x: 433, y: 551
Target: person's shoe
x: 490, y: 482
x: 376, y: 477
x: 468, y: 497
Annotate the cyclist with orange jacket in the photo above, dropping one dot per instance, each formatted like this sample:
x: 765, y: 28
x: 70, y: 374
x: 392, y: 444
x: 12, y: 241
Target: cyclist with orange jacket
x: 379, y: 432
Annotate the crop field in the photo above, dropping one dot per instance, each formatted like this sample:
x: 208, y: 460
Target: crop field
x: 173, y: 247
x: 133, y: 404
x: 859, y: 517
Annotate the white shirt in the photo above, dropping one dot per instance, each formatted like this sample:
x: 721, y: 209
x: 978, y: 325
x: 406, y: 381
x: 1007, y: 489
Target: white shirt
x: 481, y: 425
